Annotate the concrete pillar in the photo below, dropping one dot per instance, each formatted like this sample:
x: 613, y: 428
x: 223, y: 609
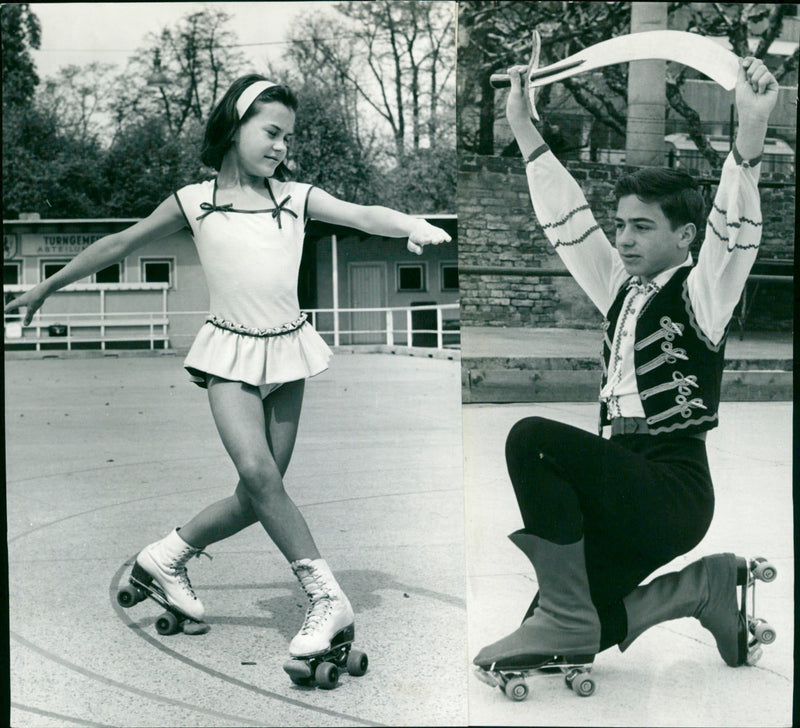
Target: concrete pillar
x: 644, y: 144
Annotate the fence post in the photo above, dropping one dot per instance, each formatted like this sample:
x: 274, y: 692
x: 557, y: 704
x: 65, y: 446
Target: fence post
x: 102, y: 320
x: 408, y: 327
x: 439, y: 337
x: 389, y: 328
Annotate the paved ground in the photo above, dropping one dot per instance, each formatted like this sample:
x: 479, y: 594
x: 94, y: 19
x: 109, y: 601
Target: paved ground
x: 672, y: 675
x: 494, y: 341
x: 105, y: 455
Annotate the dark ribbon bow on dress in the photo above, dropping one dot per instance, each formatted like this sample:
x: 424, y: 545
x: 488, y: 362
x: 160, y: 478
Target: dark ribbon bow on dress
x: 210, y: 207
x: 280, y: 207
x: 276, y: 211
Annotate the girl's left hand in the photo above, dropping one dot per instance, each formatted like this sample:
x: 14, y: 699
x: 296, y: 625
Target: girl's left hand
x: 423, y: 233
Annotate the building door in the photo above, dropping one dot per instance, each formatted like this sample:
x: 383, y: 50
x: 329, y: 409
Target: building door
x: 367, y: 284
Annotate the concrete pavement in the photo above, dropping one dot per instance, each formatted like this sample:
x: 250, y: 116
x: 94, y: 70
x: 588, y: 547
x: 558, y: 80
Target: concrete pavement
x: 518, y: 364
x: 104, y: 455
x: 672, y: 675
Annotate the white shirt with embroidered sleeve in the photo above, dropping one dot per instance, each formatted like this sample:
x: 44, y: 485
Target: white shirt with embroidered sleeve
x: 715, y: 284
x: 730, y: 247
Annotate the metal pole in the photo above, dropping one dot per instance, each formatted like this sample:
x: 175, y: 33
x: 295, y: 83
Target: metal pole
x: 335, y: 275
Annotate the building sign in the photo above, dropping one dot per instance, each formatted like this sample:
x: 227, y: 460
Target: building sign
x: 10, y: 246
x: 58, y: 243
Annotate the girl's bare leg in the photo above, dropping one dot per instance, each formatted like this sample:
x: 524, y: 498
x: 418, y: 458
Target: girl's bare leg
x: 259, y: 437
x: 230, y: 515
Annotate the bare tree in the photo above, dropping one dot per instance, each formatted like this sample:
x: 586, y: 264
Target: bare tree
x: 493, y: 36
x: 182, y: 71
x: 395, y: 57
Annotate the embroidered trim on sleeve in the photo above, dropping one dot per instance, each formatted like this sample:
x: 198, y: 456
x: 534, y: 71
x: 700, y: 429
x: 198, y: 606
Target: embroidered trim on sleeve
x: 566, y: 217
x: 725, y: 239
x: 742, y: 219
x: 576, y: 241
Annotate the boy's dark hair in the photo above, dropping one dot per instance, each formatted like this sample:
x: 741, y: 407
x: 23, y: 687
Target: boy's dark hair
x: 224, y: 120
x: 675, y: 191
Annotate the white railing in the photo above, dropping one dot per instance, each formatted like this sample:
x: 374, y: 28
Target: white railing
x: 390, y: 326
x: 88, y: 328
x: 396, y: 328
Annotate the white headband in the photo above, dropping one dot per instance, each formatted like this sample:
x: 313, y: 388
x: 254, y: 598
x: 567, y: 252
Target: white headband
x: 249, y: 95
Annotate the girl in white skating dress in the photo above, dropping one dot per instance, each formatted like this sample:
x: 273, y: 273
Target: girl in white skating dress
x: 256, y: 349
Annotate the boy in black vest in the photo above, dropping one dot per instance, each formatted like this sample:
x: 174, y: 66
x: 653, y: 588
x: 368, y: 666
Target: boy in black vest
x: 601, y: 514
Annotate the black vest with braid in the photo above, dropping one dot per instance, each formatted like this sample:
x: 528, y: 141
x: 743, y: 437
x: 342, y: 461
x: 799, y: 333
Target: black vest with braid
x: 678, y: 370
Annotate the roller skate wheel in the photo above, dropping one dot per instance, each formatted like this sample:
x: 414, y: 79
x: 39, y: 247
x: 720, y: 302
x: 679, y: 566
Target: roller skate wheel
x: 569, y: 677
x: 192, y: 628
x: 763, y: 632
x: 516, y: 689
x: 129, y: 595
x: 764, y: 570
x: 167, y: 623
x: 299, y: 672
x: 357, y: 663
x: 326, y: 676
x: 584, y: 686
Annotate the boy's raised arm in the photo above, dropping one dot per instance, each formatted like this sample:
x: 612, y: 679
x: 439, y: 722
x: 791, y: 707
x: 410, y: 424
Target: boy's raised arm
x: 561, y: 208
x: 733, y: 231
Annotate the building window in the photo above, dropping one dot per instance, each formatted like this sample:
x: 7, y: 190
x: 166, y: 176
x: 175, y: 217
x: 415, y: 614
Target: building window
x: 411, y: 277
x: 448, y: 273
x: 12, y: 276
x: 12, y: 273
x: 51, y: 267
x: 157, y: 270
x: 112, y: 274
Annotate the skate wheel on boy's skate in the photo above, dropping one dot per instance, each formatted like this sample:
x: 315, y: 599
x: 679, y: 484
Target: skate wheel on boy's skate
x: 763, y: 569
x: 326, y: 676
x: 129, y: 595
x: 516, y: 689
x: 584, y: 686
x: 168, y: 623
x: 762, y: 631
x: 357, y: 662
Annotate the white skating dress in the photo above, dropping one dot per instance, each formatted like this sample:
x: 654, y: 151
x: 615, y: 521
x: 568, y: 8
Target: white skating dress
x: 255, y: 331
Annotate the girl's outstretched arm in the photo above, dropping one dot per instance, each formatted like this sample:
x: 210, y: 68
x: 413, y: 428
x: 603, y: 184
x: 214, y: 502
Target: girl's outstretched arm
x: 374, y: 219
x: 165, y: 219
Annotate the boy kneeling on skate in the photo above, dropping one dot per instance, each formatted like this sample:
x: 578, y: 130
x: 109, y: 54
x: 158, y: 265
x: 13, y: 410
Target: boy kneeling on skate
x: 600, y: 514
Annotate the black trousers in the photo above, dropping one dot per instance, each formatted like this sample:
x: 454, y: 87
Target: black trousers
x: 637, y: 500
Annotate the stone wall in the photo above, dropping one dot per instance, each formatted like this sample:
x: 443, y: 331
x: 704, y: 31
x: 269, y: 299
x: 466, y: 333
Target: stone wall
x: 496, y: 227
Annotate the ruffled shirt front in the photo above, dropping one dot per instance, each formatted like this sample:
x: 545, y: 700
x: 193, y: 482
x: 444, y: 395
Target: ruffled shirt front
x: 255, y: 332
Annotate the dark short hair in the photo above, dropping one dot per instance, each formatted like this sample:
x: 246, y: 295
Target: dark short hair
x: 675, y: 191
x: 224, y: 119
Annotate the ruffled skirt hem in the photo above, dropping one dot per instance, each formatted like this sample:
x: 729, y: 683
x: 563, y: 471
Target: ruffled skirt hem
x: 256, y: 360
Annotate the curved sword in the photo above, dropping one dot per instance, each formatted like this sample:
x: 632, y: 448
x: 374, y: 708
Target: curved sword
x: 689, y: 49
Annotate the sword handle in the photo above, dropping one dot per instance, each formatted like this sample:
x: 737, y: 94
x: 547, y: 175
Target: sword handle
x: 500, y: 80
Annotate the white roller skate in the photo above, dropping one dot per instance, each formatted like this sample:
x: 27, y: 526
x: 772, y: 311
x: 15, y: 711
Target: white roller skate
x: 160, y: 568
x: 324, y: 643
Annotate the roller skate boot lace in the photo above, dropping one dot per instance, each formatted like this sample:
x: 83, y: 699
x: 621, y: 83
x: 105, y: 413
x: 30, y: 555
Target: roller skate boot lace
x: 321, y: 602
x: 179, y: 573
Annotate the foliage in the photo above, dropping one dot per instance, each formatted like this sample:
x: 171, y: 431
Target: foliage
x: 490, y: 42
x: 146, y: 164
x: 94, y: 143
x: 44, y: 170
x: 21, y: 31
